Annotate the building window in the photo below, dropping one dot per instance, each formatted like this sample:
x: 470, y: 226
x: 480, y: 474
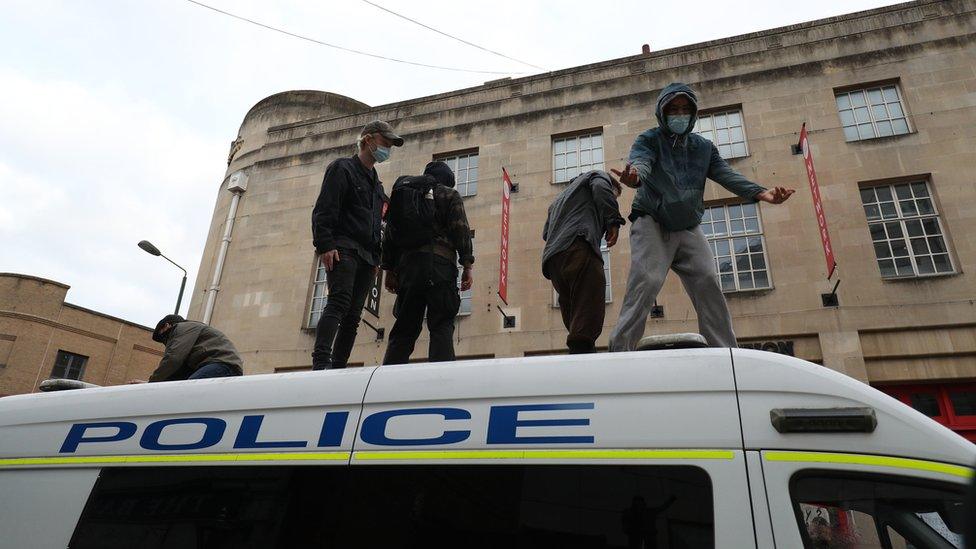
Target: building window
x: 735, y: 234
x: 906, y: 230
x: 69, y: 366
x: 320, y: 294
x: 574, y: 155
x: 466, y: 295
x: 607, y: 291
x: 465, y: 168
x: 951, y: 404
x: 872, y: 112
x: 725, y: 130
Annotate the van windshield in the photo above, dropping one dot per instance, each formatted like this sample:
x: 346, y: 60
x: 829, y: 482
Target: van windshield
x: 379, y: 506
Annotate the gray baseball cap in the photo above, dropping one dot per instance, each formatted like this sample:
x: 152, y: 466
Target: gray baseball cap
x: 384, y: 129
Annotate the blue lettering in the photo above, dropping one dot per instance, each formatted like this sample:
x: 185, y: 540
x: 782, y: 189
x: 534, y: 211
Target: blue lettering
x: 213, y: 431
x: 77, y: 434
x: 332, y: 429
x: 504, y: 421
x: 374, y: 427
x: 247, y: 437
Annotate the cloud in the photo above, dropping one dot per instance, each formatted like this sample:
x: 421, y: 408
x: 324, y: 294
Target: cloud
x: 85, y: 173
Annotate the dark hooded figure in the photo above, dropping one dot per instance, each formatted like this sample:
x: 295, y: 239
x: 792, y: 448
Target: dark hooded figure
x: 194, y: 350
x: 421, y: 264
x: 669, y: 164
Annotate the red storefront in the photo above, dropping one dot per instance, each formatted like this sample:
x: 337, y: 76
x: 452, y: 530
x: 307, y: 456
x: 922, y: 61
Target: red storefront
x: 951, y: 404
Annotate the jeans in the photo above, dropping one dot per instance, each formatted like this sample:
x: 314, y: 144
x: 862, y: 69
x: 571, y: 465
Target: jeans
x: 214, y: 369
x: 349, y: 283
x: 428, y: 284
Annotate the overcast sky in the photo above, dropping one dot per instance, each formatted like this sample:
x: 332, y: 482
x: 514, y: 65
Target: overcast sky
x: 116, y: 115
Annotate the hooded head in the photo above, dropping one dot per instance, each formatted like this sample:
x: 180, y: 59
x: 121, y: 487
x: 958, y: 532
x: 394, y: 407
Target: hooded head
x: 668, y: 94
x: 441, y: 172
x: 158, y: 335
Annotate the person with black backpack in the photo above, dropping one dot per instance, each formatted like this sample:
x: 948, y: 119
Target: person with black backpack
x: 427, y: 236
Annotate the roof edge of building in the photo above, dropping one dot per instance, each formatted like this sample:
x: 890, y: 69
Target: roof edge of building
x: 36, y: 279
x: 507, y: 81
x: 108, y: 316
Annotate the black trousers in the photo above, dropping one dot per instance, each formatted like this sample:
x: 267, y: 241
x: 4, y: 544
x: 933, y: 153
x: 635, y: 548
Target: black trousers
x: 349, y: 283
x: 428, y: 283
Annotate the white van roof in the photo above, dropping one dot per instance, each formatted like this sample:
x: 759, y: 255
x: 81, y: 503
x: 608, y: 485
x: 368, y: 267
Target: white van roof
x: 687, y: 398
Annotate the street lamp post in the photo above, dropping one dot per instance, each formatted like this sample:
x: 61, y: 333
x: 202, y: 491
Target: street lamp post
x: 150, y: 249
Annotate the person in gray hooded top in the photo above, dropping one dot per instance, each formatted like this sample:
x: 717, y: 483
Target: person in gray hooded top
x: 583, y: 213
x: 669, y: 163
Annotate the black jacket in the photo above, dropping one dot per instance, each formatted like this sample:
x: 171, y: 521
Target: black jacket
x: 348, y: 211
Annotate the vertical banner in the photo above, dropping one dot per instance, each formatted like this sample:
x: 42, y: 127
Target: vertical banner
x: 373, y: 299
x: 817, y: 204
x: 503, y: 263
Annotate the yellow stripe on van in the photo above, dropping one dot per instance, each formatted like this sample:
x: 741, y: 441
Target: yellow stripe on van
x: 177, y: 458
x: 877, y: 461
x: 424, y: 455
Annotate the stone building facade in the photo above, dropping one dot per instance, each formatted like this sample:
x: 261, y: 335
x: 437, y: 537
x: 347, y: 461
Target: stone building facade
x: 888, y: 97
x: 42, y: 337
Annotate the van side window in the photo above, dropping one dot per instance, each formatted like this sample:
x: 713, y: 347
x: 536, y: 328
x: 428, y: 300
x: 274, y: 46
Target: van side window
x: 429, y: 506
x: 876, y: 511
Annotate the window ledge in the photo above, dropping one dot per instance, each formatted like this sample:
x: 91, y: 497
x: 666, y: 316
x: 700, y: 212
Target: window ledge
x: 918, y: 278
x: 753, y: 292
x: 882, y: 138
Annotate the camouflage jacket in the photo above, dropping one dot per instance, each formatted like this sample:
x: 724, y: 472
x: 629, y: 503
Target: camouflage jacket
x: 452, y: 234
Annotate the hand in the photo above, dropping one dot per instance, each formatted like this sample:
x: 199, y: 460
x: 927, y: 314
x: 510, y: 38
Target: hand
x: 628, y: 177
x: 392, y: 283
x: 137, y: 381
x: 776, y: 195
x: 467, y: 279
x: 611, y: 235
x: 330, y: 259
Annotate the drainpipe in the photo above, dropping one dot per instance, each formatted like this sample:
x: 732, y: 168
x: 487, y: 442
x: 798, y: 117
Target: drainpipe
x: 237, y: 185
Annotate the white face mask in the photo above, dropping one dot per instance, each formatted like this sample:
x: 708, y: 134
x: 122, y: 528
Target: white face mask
x: 678, y: 123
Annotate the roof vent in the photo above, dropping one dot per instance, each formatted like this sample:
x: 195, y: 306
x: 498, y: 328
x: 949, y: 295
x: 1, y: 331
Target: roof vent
x: 50, y: 385
x: 672, y: 341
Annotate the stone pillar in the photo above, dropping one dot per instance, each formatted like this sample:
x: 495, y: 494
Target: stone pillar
x: 842, y: 352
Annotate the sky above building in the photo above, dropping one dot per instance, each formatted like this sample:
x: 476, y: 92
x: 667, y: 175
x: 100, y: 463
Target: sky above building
x: 116, y: 116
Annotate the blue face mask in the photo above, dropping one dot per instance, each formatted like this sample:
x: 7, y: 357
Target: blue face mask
x: 678, y: 123
x: 381, y: 154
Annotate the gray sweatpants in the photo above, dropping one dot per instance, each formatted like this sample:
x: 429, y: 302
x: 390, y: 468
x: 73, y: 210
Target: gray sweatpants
x: 652, y: 252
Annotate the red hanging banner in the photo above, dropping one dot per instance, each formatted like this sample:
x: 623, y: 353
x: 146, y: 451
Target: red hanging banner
x: 817, y: 204
x: 503, y: 262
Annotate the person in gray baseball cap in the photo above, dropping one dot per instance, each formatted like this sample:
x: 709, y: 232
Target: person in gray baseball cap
x: 346, y: 234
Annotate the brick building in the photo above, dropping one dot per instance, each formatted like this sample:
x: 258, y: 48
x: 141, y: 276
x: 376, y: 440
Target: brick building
x: 43, y: 337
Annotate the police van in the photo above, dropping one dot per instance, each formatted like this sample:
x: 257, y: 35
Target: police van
x: 668, y: 449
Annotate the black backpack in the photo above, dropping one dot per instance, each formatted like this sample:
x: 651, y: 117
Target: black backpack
x: 411, y: 214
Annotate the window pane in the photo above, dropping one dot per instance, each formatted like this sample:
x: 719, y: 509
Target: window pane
x: 872, y: 211
x: 735, y: 118
x: 874, y: 96
x: 884, y: 129
x: 752, y: 225
x: 762, y: 279
x: 895, y: 110
x: 926, y: 403
x: 888, y: 210
x: 914, y: 227
x: 850, y: 133
x: 919, y: 246
x: 925, y: 265
x: 843, y: 101
x: 725, y: 151
x: 847, y: 118
x: 418, y: 506
x: 881, y: 250
x: 723, y: 247
x: 559, y: 146
x: 857, y: 99
x: 899, y: 125
x: 745, y: 281
x: 879, y: 112
x: 728, y: 282
x: 865, y: 131
x: 942, y: 263
x: 758, y: 261
x: 597, y: 140
x: 887, y: 267
x: 894, y: 230
x: 903, y: 266
x: 903, y: 191
x: 936, y: 244
x: 908, y: 207
x: 963, y: 402
x: 738, y: 149
x: 838, y: 510
x: 890, y: 93
x: 861, y: 115
x: 704, y: 124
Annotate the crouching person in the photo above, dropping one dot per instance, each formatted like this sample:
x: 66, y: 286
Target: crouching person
x: 194, y: 350
x: 583, y: 213
x: 427, y: 236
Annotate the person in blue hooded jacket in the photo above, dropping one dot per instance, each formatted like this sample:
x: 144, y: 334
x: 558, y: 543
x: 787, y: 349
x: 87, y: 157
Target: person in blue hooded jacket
x: 668, y: 165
